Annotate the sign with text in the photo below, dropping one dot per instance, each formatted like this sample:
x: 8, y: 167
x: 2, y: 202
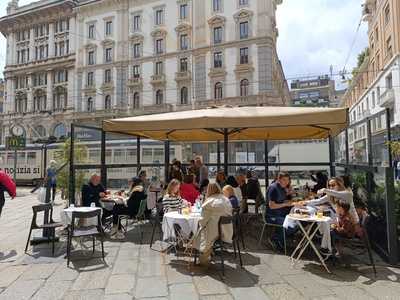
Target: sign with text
x: 15, y: 143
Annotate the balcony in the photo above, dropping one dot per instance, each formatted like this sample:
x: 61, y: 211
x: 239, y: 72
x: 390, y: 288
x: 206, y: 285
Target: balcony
x: 135, y: 82
x: 157, y: 108
x: 158, y: 79
x: 183, y: 76
x: 387, y: 99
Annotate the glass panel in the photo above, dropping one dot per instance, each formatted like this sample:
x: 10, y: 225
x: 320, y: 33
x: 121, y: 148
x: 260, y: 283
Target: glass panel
x: 118, y: 178
x: 315, y: 151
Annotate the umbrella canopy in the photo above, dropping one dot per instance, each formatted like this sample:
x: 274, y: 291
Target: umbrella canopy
x: 242, y: 123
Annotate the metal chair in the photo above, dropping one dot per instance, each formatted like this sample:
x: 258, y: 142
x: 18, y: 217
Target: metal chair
x: 220, y: 245
x: 47, y: 209
x: 238, y: 225
x: 94, y: 231
x: 274, y: 226
x: 156, y: 220
x: 139, y: 218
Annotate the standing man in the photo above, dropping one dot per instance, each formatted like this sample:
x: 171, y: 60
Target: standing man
x: 202, y: 170
x: 6, y: 185
x: 93, y: 191
x: 51, y: 181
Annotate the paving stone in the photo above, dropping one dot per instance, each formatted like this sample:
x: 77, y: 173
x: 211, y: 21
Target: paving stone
x: 282, y: 265
x: 184, y: 290
x: 147, y: 269
x: 85, y: 295
x: 383, y: 289
x: 122, y: 266
x: 119, y: 284
x: 207, y: 285
x: 306, y: 285
x: 10, y: 274
x: 265, y: 276
x: 64, y: 273
x: 217, y: 297
x: 174, y: 276
x: 157, y: 298
x: 118, y: 297
x: 128, y: 253
x: 91, y: 280
x: 248, y: 293
x: 39, y: 271
x: 21, y: 289
x: 151, y: 287
x: 282, y: 291
x: 52, y: 290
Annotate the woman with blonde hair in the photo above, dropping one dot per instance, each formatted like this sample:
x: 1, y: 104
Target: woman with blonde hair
x: 215, y: 206
x: 172, y: 200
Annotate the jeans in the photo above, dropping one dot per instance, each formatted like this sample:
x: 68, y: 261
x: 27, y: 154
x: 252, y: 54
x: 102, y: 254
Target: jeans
x: 278, y: 233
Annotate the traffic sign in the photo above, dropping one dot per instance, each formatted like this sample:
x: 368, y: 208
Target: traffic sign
x: 15, y: 143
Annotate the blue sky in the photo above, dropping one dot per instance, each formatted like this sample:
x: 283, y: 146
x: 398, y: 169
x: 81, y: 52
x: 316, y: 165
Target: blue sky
x: 313, y: 35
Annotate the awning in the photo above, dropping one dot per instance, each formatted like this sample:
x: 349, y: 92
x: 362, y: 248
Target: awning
x: 242, y: 123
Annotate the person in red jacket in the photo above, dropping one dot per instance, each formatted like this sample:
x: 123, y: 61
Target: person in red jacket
x: 6, y: 185
x: 189, y: 191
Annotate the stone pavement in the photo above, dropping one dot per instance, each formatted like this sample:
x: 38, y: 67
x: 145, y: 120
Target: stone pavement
x: 134, y: 271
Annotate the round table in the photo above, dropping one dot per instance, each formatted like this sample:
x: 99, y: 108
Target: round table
x: 66, y: 215
x: 188, y: 223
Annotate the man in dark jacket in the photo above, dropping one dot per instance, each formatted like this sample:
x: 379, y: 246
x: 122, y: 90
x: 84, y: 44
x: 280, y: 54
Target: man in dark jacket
x: 93, y: 191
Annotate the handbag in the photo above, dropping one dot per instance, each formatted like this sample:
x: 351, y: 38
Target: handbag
x: 42, y: 195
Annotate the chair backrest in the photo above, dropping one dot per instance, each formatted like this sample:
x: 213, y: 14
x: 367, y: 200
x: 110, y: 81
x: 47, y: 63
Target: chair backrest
x: 82, y: 215
x: 142, y: 209
x: 223, y: 220
x: 47, y: 207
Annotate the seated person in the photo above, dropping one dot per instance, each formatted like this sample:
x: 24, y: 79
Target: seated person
x: 229, y: 193
x: 93, y: 191
x: 131, y: 208
x: 278, y: 208
x: 188, y: 189
x: 345, y: 226
x: 172, y: 200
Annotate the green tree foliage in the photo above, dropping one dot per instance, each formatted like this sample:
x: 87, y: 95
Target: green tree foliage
x: 360, y: 60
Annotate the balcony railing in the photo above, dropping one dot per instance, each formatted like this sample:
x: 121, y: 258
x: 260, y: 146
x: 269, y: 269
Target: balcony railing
x: 387, y: 98
x: 181, y: 76
x: 158, y: 79
x: 135, y: 81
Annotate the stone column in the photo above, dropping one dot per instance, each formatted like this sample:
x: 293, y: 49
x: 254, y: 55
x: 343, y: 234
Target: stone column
x: 11, y: 49
x: 51, y: 39
x: 30, y: 92
x: 72, y: 92
x: 10, y: 100
x: 32, y: 45
x: 49, y: 91
x: 71, y: 35
x: 78, y: 96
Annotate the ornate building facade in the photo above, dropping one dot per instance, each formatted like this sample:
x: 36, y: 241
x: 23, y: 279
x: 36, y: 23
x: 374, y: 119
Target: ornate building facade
x: 83, y: 61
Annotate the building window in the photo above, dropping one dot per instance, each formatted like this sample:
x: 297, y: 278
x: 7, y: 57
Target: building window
x: 184, y: 42
x: 159, y: 17
x: 136, y: 100
x: 218, y: 60
x: 91, y: 30
x: 108, y: 28
x: 217, y: 5
x: 107, y: 102
x: 159, y: 46
x: 244, y: 88
x: 90, y: 104
x: 91, y: 58
x: 183, y: 11
x: 159, y: 97
x: 89, y: 80
x: 243, y: 2
x: 136, y: 50
x: 217, y: 35
x: 108, y: 55
x: 183, y: 64
x: 389, y: 52
x: 218, y: 90
x: 184, y: 96
x: 159, y: 68
x: 244, y: 30
x: 136, y: 71
x: 244, y: 55
x: 387, y: 14
x: 107, y: 76
x: 389, y: 82
x: 136, y: 23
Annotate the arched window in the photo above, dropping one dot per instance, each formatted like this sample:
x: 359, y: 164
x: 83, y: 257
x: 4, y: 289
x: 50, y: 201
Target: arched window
x: 136, y: 100
x: 218, y: 90
x: 184, y: 95
x: 244, y: 88
x: 90, y: 104
x: 107, y: 102
x: 60, y: 131
x: 159, y: 97
x: 21, y: 103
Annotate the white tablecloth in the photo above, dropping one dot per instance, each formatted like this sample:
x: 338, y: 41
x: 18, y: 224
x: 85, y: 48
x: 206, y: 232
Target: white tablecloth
x: 187, y: 223
x: 66, y: 215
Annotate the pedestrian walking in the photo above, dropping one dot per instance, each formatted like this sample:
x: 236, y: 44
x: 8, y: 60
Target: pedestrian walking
x: 51, y: 181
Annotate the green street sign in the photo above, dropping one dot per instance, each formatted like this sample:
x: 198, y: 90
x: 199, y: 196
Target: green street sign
x: 15, y: 143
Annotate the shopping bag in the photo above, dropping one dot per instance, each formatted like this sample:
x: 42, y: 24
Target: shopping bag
x: 42, y: 195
